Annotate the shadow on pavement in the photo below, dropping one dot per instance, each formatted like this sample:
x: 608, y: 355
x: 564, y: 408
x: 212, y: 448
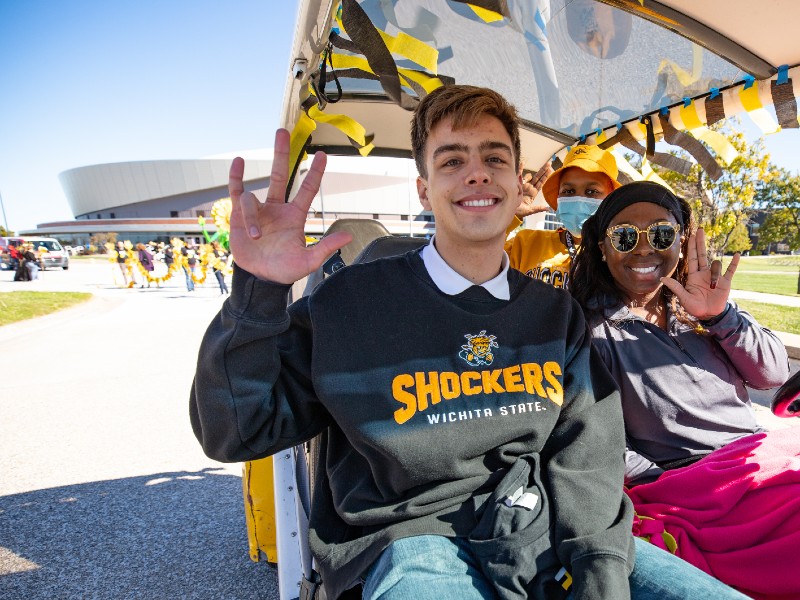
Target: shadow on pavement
x: 168, y: 535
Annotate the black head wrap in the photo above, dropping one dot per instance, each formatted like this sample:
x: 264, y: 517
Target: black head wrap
x: 631, y: 193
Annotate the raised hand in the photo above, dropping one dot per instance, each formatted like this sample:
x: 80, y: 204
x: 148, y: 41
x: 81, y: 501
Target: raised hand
x: 705, y: 294
x: 268, y: 240
x: 531, y: 184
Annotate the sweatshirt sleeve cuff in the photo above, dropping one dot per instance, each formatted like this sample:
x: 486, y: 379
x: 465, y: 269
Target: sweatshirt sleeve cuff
x: 725, y: 315
x: 257, y: 300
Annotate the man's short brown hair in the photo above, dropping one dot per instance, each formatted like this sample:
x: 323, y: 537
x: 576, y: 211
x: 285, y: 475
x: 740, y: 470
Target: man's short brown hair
x: 465, y: 105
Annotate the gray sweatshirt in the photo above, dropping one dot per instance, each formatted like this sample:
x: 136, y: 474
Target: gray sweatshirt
x: 683, y: 393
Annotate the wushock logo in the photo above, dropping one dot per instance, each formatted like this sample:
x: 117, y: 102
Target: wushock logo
x: 478, y: 349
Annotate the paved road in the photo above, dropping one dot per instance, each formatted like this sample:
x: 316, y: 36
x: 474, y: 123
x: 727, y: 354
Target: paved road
x: 104, y: 492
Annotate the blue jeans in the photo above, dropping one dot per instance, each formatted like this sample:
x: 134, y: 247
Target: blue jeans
x: 223, y: 287
x: 189, y: 281
x: 432, y: 567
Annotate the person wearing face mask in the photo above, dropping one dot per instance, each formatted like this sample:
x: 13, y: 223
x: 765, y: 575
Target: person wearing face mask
x: 574, y: 191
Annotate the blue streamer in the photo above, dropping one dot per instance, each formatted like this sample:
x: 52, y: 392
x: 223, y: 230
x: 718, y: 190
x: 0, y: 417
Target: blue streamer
x: 783, y: 74
x: 540, y: 22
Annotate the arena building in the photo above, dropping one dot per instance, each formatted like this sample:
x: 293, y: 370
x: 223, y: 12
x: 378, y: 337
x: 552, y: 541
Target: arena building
x: 160, y: 200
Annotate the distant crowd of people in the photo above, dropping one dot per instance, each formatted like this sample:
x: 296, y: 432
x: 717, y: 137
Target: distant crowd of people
x: 25, y: 261
x: 192, y: 259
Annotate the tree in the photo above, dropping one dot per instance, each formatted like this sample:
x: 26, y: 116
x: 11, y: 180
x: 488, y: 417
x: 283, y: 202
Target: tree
x: 739, y: 240
x: 99, y: 240
x: 5, y: 232
x: 780, y: 198
x: 724, y: 206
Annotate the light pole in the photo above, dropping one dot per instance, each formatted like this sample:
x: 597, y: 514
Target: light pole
x: 3, y: 207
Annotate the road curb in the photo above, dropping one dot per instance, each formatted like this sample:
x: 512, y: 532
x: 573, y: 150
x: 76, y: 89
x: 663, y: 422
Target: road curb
x: 792, y: 343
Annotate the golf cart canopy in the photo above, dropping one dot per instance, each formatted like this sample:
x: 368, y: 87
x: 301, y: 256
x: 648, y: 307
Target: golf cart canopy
x: 575, y: 69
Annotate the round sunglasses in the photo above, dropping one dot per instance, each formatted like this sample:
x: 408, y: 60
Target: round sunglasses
x: 661, y: 236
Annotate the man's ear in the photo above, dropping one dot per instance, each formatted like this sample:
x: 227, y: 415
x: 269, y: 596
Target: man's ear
x: 422, y: 191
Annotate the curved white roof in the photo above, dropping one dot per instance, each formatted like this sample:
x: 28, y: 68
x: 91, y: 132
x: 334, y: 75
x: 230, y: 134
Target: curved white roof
x: 100, y: 187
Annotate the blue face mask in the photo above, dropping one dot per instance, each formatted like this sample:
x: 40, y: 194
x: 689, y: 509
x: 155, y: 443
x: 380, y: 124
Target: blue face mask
x: 574, y: 210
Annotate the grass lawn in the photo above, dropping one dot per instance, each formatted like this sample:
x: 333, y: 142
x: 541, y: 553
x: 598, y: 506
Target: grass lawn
x: 18, y: 306
x: 768, y: 274
x: 778, y: 263
x: 777, y: 283
x: 773, y: 316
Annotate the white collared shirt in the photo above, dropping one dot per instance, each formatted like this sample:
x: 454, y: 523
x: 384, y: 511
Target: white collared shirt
x: 451, y: 283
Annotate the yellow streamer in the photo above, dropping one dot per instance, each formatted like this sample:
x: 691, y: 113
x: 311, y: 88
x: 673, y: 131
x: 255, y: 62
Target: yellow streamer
x: 425, y: 55
x: 684, y: 77
x: 347, y: 125
x: 760, y: 116
x: 718, y: 142
x: 650, y: 175
x: 691, y: 120
x: 300, y: 132
x: 405, y: 45
x: 347, y: 61
x: 428, y: 82
x: 486, y: 15
x: 625, y: 167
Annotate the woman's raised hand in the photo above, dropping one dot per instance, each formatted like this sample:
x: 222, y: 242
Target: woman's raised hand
x: 705, y: 294
x: 268, y: 240
x: 531, y: 185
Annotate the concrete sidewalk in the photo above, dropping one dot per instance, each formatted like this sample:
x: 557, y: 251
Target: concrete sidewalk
x: 767, y: 298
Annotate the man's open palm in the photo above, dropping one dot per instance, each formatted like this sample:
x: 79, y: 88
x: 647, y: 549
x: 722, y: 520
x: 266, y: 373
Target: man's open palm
x: 268, y: 240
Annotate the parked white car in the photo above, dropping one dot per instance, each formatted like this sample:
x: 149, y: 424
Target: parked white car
x: 55, y: 256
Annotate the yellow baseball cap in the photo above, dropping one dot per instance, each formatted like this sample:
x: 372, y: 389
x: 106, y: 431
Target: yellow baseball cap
x: 589, y: 158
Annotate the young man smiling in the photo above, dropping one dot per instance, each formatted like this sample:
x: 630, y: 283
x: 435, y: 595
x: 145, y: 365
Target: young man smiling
x: 432, y: 487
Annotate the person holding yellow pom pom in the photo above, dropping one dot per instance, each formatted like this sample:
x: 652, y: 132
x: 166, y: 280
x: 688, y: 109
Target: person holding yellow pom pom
x: 146, y: 260
x: 122, y: 256
x: 189, y: 253
x: 220, y: 264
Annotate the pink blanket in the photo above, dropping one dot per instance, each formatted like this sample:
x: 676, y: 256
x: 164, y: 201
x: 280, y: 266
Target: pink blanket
x: 736, y: 513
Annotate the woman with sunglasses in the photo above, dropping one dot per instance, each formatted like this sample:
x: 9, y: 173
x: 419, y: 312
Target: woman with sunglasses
x: 682, y: 353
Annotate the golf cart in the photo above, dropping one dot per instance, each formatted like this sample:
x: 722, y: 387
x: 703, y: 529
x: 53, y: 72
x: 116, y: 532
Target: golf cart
x: 632, y: 76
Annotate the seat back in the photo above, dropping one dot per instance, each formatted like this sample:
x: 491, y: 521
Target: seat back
x: 390, y: 245
x: 363, y: 231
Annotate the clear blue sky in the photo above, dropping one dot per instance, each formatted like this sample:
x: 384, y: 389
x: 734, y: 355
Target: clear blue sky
x: 84, y: 82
